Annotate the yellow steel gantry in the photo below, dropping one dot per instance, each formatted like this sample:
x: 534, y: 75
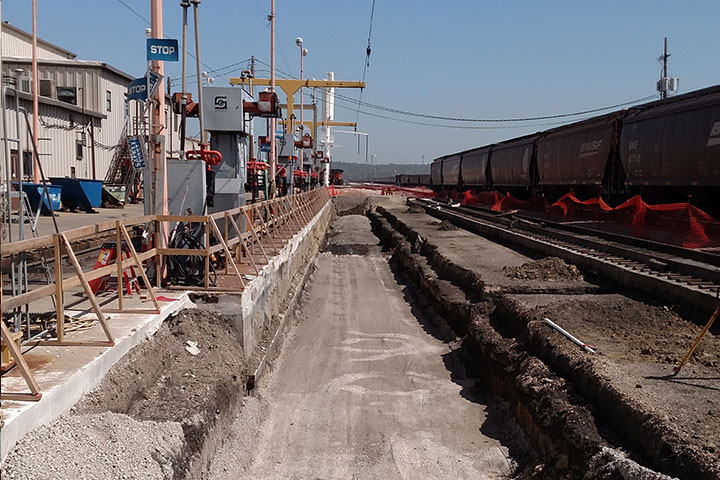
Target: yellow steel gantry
x: 291, y: 85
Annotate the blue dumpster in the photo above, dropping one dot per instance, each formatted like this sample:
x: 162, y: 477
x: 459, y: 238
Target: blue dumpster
x: 34, y: 192
x: 79, y: 193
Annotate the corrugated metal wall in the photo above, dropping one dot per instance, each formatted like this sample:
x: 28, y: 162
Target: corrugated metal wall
x: 15, y: 44
x: 61, y: 128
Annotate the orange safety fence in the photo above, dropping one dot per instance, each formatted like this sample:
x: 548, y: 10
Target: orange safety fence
x: 677, y: 223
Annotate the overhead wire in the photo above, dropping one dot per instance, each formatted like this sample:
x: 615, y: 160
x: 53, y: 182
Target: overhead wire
x: 353, y: 101
x: 366, y: 64
x: 143, y: 18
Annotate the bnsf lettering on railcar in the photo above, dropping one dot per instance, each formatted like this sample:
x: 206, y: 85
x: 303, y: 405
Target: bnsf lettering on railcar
x: 714, y: 135
x: 592, y: 146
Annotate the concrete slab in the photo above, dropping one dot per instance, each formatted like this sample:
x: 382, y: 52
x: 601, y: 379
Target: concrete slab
x: 65, y: 374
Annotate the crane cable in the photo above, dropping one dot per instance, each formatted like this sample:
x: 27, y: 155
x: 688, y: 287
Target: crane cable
x: 368, y: 50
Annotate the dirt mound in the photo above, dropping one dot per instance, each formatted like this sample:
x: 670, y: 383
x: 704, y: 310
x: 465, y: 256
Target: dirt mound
x: 106, y: 445
x: 550, y: 268
x: 352, y: 205
x: 351, y: 234
x: 415, y: 209
x: 161, y: 380
x: 446, y: 226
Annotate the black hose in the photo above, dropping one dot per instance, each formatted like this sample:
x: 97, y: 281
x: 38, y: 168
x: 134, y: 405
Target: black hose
x: 188, y: 270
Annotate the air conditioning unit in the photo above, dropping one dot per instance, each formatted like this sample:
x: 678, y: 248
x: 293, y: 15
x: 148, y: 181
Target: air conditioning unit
x: 47, y: 88
x: 26, y: 84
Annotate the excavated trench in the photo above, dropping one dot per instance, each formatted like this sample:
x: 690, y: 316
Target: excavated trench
x: 166, y: 413
x: 580, y: 426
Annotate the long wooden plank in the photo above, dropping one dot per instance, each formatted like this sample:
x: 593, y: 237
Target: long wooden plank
x: 252, y: 230
x: 264, y: 227
x: 59, y: 293
x: 181, y: 251
x: 73, y: 282
x: 86, y: 287
x: 182, y: 218
x: 227, y: 251
x: 87, y: 232
x: 27, y: 297
x: 134, y: 254
x: 237, y: 229
x: 19, y: 359
x: 119, y: 265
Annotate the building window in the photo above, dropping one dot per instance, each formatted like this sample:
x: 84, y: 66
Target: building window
x: 67, y: 94
x: 108, y: 100
x: 27, y: 164
x: 79, y: 149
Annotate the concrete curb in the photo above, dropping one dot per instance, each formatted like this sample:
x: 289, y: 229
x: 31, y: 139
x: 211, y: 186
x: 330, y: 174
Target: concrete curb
x: 58, y: 400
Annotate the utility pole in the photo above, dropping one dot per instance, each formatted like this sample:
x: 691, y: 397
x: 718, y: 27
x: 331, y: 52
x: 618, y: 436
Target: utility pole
x: 665, y: 58
x: 273, y: 121
x: 183, y: 99
x: 36, y: 112
x: 157, y: 135
x: 252, y: 66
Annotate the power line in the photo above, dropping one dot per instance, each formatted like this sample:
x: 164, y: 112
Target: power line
x: 514, y: 120
x: 140, y: 16
x: 497, y: 120
x: 236, y: 64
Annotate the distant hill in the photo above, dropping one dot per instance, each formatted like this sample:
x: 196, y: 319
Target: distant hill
x: 358, y: 172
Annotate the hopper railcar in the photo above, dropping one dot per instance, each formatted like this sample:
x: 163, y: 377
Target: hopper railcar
x: 667, y: 151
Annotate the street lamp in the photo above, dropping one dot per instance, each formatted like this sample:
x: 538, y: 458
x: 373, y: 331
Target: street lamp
x: 303, y: 54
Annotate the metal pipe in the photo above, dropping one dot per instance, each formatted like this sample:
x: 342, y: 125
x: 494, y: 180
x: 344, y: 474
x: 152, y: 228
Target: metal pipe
x: 273, y: 121
x: 35, y: 82
x: 201, y: 117
x: 569, y: 336
x: 183, y: 102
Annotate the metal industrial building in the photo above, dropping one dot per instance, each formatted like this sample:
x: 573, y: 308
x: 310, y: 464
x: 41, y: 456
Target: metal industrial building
x: 82, y: 108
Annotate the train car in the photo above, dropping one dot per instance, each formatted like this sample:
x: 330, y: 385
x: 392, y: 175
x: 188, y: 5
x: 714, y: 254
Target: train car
x: 512, y: 163
x: 672, y: 151
x: 474, y: 167
x: 583, y: 155
x: 424, y: 180
x: 436, y: 174
x: 673, y: 145
x: 451, y: 177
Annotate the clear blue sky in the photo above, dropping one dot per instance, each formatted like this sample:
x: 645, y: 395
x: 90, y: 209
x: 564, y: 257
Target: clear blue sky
x: 476, y: 59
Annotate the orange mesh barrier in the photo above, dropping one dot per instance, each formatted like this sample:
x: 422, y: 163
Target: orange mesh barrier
x: 676, y: 223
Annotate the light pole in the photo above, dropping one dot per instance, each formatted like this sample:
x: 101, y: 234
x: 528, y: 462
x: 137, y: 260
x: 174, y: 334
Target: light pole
x: 303, y: 53
x: 372, y: 162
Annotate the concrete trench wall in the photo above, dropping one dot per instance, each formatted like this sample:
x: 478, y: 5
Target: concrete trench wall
x: 264, y: 296
x: 560, y: 425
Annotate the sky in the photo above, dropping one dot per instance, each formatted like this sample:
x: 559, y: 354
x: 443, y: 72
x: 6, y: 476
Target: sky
x: 467, y: 59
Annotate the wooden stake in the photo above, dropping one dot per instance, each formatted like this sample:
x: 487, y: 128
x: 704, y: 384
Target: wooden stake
x: 697, y: 341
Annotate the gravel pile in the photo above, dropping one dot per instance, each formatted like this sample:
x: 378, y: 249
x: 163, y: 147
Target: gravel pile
x: 99, y: 446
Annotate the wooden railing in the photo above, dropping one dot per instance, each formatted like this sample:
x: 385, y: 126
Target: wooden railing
x: 246, y: 235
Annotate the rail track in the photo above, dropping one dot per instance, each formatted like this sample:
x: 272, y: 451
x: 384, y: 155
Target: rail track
x: 680, y: 275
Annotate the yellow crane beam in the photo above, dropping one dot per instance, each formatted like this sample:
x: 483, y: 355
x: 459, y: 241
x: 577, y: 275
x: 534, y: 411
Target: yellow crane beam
x: 291, y: 85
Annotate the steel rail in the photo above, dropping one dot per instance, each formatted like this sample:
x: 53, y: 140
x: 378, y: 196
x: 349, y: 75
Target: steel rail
x: 655, y: 272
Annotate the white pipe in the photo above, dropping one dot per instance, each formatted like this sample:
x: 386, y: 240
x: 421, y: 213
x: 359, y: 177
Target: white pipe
x: 569, y: 336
